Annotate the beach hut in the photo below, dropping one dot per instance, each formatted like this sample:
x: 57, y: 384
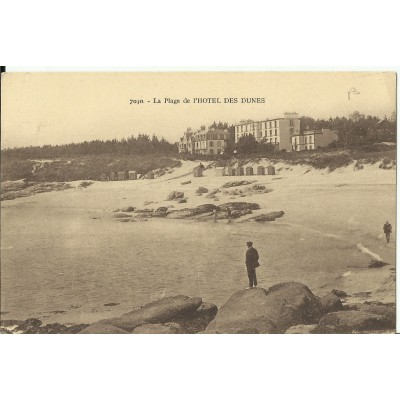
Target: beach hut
x: 219, y: 171
x: 240, y: 171
x: 271, y: 170
x: 260, y: 170
x: 121, y: 175
x: 132, y: 175
x: 249, y: 171
x: 113, y: 176
x: 103, y: 177
x: 231, y: 171
x: 150, y: 175
x: 198, y: 172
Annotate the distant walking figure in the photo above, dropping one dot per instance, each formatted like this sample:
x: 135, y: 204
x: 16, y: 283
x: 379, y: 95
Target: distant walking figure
x: 387, y: 228
x: 251, y: 264
x: 215, y: 215
x: 229, y: 214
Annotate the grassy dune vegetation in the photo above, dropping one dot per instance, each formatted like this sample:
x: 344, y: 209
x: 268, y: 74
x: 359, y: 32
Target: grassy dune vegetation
x: 80, y: 168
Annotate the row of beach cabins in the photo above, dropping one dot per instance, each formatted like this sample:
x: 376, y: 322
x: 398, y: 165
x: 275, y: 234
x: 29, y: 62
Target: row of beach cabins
x: 197, y: 172
x: 240, y: 171
x: 124, y: 176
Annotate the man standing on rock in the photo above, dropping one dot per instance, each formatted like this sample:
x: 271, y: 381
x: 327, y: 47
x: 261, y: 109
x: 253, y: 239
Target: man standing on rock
x: 387, y: 228
x: 251, y: 264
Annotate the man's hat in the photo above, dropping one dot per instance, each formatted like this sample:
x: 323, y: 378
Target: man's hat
x: 250, y: 243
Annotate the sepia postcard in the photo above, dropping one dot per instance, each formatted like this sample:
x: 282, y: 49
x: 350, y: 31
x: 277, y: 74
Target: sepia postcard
x: 198, y: 202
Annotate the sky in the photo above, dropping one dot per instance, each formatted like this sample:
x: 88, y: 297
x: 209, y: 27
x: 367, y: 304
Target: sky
x: 57, y: 108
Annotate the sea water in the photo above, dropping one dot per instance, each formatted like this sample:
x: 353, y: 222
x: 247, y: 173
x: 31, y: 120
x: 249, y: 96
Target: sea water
x: 61, y: 264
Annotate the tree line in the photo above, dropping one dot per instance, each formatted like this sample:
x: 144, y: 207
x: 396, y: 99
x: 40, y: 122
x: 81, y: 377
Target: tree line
x: 142, y: 144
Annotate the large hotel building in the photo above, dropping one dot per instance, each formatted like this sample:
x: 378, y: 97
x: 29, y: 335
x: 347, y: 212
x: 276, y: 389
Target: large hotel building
x: 277, y: 131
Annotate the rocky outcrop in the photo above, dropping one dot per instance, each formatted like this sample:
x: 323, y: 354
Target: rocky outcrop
x: 240, y: 205
x: 160, y: 311
x: 352, y: 321
x: 376, y: 264
x: 301, y: 329
x: 197, y: 321
x: 331, y: 303
x: 271, y: 216
x: 386, y: 311
x: 128, y: 209
x: 236, y: 183
x: 99, y: 328
x: 168, y: 328
x: 175, y: 195
x: 273, y: 311
x: 339, y: 293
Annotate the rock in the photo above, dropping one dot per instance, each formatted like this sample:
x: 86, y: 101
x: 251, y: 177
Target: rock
x: 376, y: 264
x: 271, y: 216
x: 180, y: 214
x: 76, y: 328
x: 205, y: 208
x: 386, y: 311
x: 258, y: 187
x: 175, y: 195
x: 201, y: 190
x: 182, y: 200
x: 198, y: 320
x: 122, y: 215
x: 128, y: 209
x: 240, y: 205
x: 331, y: 303
x: 100, y: 328
x: 273, y: 311
x: 236, y: 183
x: 352, y: 321
x: 186, y: 182
x: 30, y: 325
x: 339, y: 293
x: 160, y: 311
x: 123, y: 219
x: 168, y: 328
x: 161, y: 212
x: 301, y: 329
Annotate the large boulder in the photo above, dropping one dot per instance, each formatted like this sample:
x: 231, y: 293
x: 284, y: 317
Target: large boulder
x: 99, y: 328
x: 386, y: 311
x: 168, y: 328
x: 352, y: 321
x: 197, y: 321
x: 159, y: 311
x: 273, y: 311
x: 331, y: 303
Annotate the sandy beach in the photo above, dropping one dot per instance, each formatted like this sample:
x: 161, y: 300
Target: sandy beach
x: 65, y: 259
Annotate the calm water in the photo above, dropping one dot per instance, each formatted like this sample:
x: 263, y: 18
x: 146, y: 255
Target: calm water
x: 61, y: 265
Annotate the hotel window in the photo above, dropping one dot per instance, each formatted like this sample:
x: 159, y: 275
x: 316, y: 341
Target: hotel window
x: 211, y: 144
x: 291, y: 123
x: 219, y: 144
x: 276, y: 132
